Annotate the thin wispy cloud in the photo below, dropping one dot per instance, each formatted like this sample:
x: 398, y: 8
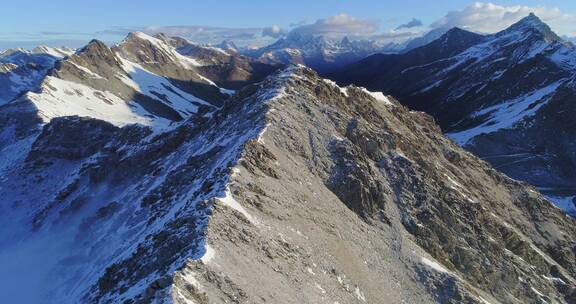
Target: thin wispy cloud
x: 412, y: 24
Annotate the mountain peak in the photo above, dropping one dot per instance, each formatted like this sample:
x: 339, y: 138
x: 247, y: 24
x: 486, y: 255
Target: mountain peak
x: 94, y: 46
x: 135, y: 36
x: 532, y: 20
x: 227, y: 45
x: 456, y: 32
x: 456, y: 40
x: 534, y: 24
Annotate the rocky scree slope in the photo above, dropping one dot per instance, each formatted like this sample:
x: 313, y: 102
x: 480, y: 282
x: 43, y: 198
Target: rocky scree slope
x: 507, y: 98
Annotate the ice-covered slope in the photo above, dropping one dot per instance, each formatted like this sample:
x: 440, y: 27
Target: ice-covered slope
x: 506, y: 97
x: 293, y: 191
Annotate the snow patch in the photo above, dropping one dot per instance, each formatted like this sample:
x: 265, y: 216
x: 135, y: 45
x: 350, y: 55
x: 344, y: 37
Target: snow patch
x: 55, y: 52
x: 64, y: 98
x: 208, y: 255
x: 185, y: 61
x: 344, y: 91
x: 378, y: 96
x: 566, y: 203
x: 149, y: 83
x: 434, y: 265
x: 260, y: 138
x: 229, y: 201
x: 227, y: 91
x: 359, y: 294
x: 506, y: 114
x: 322, y: 290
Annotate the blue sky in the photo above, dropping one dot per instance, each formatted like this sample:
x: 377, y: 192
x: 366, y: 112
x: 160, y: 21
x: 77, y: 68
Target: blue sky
x: 65, y: 21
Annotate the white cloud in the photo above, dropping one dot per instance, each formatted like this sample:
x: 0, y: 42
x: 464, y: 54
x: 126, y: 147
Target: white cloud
x: 488, y: 17
x: 273, y: 31
x: 339, y: 26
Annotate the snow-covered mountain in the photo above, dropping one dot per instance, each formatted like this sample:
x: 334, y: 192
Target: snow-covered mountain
x: 160, y: 171
x: 318, y: 52
x: 508, y: 97
x: 143, y: 80
x: 62, y: 116
x: 22, y: 70
x: 293, y: 190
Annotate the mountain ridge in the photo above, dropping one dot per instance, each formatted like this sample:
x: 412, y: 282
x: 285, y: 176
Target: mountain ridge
x: 268, y: 186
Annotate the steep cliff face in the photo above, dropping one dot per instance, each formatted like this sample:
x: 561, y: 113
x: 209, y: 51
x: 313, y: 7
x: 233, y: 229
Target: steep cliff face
x: 294, y: 191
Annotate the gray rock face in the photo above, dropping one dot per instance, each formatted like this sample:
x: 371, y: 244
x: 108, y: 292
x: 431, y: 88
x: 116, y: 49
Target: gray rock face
x: 295, y: 191
x: 506, y: 97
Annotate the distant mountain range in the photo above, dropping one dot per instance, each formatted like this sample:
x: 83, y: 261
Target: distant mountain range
x: 318, y: 52
x: 507, y: 97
